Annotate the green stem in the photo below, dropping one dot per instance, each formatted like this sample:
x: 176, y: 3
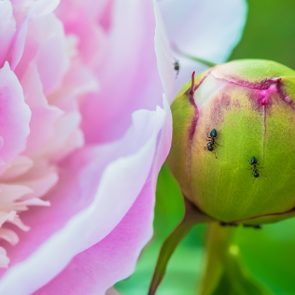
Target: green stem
x: 192, y: 216
x: 167, y: 250
x: 218, y: 247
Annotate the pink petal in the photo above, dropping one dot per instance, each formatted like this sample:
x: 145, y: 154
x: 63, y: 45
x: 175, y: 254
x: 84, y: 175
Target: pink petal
x: 17, y: 46
x: 69, y: 11
x: 17, y: 167
x: 35, y: 8
x: 128, y: 76
x: 81, y: 19
x: 42, y: 48
x: 43, y: 7
x: 113, y: 259
x: 25, y: 11
x: 101, y: 195
x: 14, y: 115
x: 46, y: 120
x: 53, y: 49
x: 7, y: 29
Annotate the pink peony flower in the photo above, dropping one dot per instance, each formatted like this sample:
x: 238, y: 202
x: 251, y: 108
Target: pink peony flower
x: 72, y: 144
x: 84, y: 131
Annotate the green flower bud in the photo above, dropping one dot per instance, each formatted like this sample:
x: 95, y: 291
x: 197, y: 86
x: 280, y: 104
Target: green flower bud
x: 233, y: 148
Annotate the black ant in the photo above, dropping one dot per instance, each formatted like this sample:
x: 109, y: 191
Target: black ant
x: 254, y: 163
x: 255, y: 226
x: 211, y: 140
x: 233, y: 224
x: 176, y: 67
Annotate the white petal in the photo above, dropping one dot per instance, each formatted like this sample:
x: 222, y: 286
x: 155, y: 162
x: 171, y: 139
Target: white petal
x: 4, y: 260
x: 207, y: 29
x: 165, y: 57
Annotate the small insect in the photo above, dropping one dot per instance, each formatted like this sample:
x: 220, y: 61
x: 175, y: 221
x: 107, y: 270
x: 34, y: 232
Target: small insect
x: 176, y: 67
x: 254, y: 163
x: 234, y: 224
x: 255, y: 226
x: 211, y: 140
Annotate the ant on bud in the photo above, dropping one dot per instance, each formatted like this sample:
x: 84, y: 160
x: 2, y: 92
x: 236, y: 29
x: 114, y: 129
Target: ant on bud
x: 232, y: 224
x: 211, y: 140
x: 254, y: 163
x: 255, y: 226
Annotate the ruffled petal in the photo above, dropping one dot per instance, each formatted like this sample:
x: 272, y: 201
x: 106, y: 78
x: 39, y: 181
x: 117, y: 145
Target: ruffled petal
x: 98, y: 189
x: 7, y: 28
x: 25, y: 11
x: 48, y: 51
x: 14, y: 115
x: 112, y: 259
x: 128, y: 76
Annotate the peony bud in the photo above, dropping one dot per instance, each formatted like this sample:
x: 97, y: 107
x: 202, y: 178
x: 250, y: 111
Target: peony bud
x: 233, y: 149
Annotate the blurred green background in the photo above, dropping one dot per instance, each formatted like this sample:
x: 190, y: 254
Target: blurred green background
x: 268, y: 255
